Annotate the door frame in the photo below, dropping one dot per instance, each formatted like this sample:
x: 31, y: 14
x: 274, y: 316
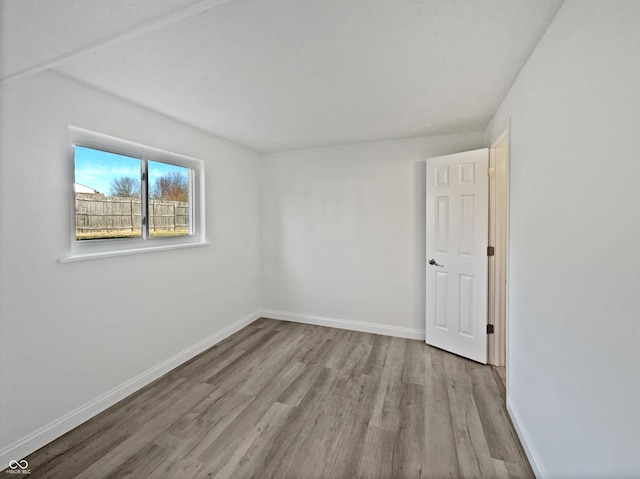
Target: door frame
x: 498, y: 290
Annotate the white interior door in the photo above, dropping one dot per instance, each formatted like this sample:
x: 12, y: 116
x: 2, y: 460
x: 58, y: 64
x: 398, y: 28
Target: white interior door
x: 457, y: 235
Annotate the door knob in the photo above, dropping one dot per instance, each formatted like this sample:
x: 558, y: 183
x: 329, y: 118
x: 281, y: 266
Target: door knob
x: 432, y: 262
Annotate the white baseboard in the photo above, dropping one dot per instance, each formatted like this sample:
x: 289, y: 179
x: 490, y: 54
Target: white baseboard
x: 386, y: 330
x: 34, y: 441
x: 525, y: 440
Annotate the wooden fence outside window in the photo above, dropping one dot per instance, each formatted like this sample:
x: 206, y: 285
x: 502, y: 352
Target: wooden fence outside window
x: 98, y: 213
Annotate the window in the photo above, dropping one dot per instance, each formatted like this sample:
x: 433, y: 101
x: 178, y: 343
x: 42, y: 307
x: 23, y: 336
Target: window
x: 130, y: 197
x: 108, y: 198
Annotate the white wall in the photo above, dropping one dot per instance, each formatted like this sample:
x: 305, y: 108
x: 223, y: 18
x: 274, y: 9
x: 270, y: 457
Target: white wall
x: 343, y: 238
x: 72, y: 332
x: 343, y: 233
x: 574, y: 315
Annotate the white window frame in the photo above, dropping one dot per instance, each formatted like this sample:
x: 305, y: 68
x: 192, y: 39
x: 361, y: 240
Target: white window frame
x: 98, y: 248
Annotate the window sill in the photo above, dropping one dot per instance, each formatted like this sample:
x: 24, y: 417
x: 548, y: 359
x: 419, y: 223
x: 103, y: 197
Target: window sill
x: 125, y: 252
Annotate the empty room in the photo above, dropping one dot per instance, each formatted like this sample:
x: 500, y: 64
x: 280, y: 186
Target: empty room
x: 319, y: 238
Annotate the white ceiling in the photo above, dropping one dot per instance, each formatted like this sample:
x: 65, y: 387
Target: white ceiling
x: 282, y: 74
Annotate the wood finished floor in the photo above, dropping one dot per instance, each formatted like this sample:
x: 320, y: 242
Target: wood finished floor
x: 287, y: 400
x: 500, y: 373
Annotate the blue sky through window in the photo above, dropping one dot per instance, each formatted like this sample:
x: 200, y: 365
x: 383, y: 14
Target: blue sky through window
x: 97, y: 169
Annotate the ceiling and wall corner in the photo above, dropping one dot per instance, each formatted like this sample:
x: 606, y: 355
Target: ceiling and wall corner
x: 36, y: 36
x: 277, y: 75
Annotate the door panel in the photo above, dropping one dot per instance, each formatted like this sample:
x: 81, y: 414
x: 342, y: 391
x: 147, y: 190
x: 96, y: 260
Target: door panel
x: 441, y: 305
x: 457, y: 234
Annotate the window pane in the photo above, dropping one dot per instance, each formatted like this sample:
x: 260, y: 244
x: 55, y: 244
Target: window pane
x: 168, y: 199
x: 107, y: 191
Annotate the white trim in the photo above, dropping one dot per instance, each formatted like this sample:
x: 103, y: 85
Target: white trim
x: 34, y: 441
x: 501, y: 259
x: 125, y: 252
x: 492, y: 305
x: 538, y: 469
x: 101, y: 141
x: 506, y: 134
x: 398, y: 331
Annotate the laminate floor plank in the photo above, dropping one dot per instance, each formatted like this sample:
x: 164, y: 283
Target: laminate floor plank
x: 234, y: 345
x: 318, y: 352
x: 77, y: 459
x: 262, y: 373
x: 377, y: 355
x: 316, y: 447
x: 386, y: 407
x: 145, y: 434
x: 254, y: 448
x: 218, y: 422
x: 224, y: 446
x: 140, y: 464
x: 351, y: 402
x: 414, y: 369
x: 343, y: 345
x: 78, y: 449
x: 287, y: 444
x: 242, y: 369
x: 518, y: 471
x: 474, y: 458
x: 495, y: 419
x: 500, y: 373
x: 172, y: 468
x: 212, y: 361
x: 158, y: 408
x: 301, y: 386
x: 376, y: 459
x: 354, y: 421
x: 92, y: 435
x: 408, y: 459
x: 289, y: 400
x: 356, y: 359
x: 441, y: 456
x: 501, y: 469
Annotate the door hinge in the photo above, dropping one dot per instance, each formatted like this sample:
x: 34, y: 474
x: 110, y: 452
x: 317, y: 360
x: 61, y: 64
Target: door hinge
x: 491, y: 172
x: 489, y: 328
x: 491, y: 250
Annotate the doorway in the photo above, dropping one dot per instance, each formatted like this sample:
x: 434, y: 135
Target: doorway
x: 466, y: 281
x: 498, y: 237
